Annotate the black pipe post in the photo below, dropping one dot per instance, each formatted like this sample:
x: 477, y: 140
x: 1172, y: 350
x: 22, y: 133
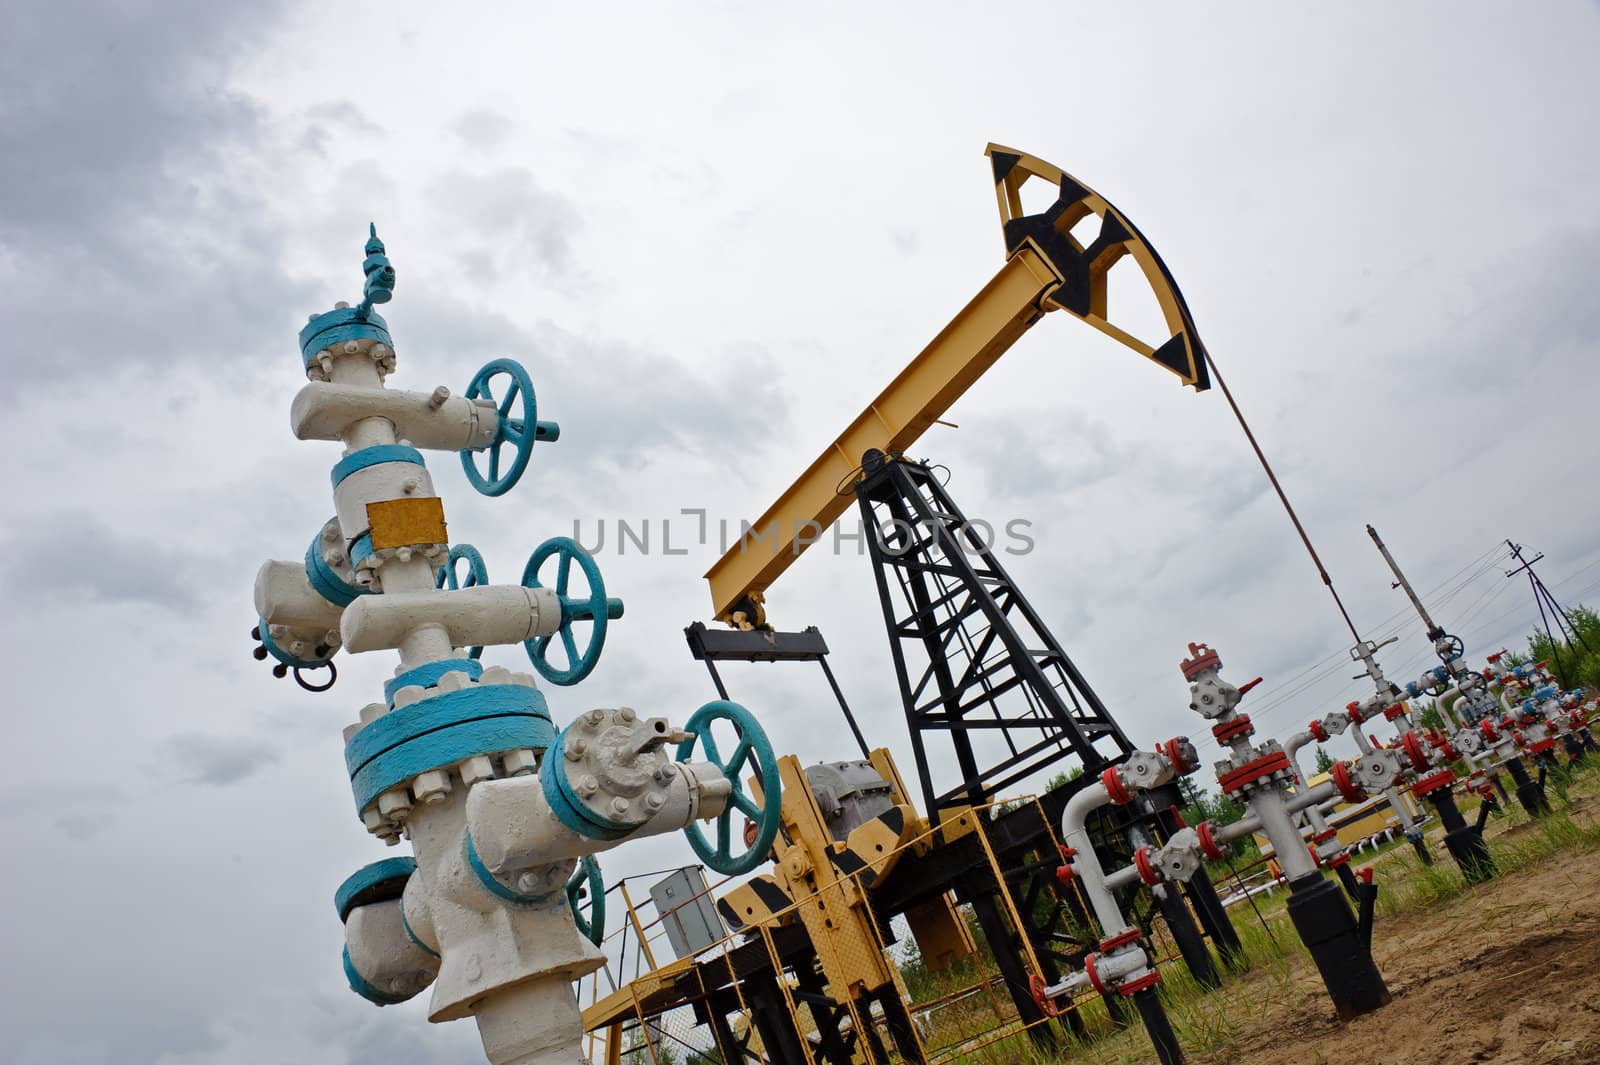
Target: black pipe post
x: 1530, y: 793
x: 1148, y: 1002
x: 1214, y: 919
x: 1328, y: 929
x: 1463, y: 841
x: 1575, y: 752
x: 1186, y: 934
x: 1369, y: 903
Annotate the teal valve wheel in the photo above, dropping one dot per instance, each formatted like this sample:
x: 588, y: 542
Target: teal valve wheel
x: 594, y: 608
x: 451, y: 577
x: 518, y: 427
x: 586, y: 881
x: 751, y: 743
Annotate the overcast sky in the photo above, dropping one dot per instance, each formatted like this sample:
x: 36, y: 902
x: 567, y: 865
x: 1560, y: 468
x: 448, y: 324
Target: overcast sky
x: 712, y: 233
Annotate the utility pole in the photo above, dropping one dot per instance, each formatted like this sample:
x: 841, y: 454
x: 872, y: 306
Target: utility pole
x: 1541, y: 598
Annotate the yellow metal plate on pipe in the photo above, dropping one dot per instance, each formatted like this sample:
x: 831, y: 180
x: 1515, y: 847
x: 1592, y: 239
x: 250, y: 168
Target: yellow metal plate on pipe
x: 407, y: 522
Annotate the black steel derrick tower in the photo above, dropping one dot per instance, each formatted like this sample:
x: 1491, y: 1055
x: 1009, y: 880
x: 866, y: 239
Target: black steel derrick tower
x: 973, y: 657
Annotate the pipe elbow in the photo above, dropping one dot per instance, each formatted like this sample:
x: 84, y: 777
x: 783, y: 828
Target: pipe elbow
x: 385, y: 959
x: 384, y: 964
x: 1079, y: 807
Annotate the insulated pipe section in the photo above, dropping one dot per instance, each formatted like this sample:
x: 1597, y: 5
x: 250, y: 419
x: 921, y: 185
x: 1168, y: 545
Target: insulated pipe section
x: 486, y: 615
x: 325, y: 411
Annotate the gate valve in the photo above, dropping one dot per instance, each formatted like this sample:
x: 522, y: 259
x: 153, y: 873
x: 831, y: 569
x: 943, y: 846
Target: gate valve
x: 1375, y: 771
x: 750, y: 743
x: 1209, y: 695
x: 517, y: 426
x: 594, y: 608
x: 1140, y: 771
x: 1490, y: 733
x: 453, y: 577
x: 1179, y: 858
x: 1468, y: 741
x: 1182, y: 754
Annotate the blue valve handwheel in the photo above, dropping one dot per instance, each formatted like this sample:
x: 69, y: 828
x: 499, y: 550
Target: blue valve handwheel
x: 594, y: 607
x: 752, y: 742
x: 586, y: 880
x: 451, y: 577
x: 518, y: 427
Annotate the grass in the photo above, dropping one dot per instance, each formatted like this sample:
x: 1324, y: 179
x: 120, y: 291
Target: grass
x: 1201, y: 1018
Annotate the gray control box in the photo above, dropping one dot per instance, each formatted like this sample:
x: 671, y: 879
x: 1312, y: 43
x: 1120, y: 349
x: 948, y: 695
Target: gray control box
x: 688, y: 911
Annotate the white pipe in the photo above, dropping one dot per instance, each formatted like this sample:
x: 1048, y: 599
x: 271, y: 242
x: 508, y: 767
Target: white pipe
x: 512, y: 826
x: 1086, y: 864
x: 324, y: 411
x: 284, y: 596
x: 1237, y: 829
x: 488, y: 614
x: 1276, y: 822
x: 1309, y: 799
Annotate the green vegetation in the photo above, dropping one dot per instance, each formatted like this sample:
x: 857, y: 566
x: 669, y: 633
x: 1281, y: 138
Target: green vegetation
x: 1572, y: 663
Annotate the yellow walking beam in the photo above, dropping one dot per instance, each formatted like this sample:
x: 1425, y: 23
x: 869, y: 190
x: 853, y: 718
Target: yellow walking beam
x: 1046, y: 268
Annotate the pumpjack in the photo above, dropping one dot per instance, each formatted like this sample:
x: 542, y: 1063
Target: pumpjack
x: 976, y: 663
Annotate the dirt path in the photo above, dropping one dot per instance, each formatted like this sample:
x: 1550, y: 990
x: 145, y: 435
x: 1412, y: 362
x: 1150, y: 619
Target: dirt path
x: 1506, y: 972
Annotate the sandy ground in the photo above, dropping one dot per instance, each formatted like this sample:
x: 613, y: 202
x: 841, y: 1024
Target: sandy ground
x: 1505, y: 972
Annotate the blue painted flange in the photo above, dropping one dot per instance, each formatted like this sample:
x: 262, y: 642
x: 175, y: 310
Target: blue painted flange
x: 567, y: 804
x: 441, y: 731
x: 428, y: 674
x: 373, y: 456
x: 325, y: 581
x: 500, y: 891
x: 335, y: 327
x: 373, y: 883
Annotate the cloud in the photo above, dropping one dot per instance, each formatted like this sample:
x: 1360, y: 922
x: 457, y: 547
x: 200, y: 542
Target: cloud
x: 74, y: 555
x: 516, y: 215
x: 81, y: 826
x: 133, y: 226
x: 481, y: 128
x: 218, y: 761
x: 586, y: 384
